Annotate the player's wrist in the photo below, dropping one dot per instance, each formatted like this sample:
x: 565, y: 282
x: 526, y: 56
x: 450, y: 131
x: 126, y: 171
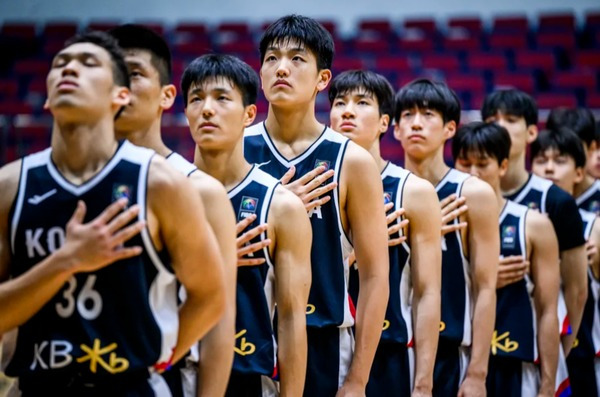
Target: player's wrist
x: 66, y: 263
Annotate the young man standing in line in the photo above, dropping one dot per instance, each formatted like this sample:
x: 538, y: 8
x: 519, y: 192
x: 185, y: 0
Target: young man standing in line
x: 296, y: 54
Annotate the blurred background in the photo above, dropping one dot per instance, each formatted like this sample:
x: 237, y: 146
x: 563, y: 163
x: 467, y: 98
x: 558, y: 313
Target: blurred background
x: 548, y: 48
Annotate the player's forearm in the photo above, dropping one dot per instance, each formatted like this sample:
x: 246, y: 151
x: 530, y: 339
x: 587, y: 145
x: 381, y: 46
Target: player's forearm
x: 484, y: 317
x: 292, y: 350
x: 216, y: 357
x: 548, y: 348
x: 23, y: 296
x: 427, y: 318
x: 197, y: 316
x: 370, y: 314
x: 573, y: 272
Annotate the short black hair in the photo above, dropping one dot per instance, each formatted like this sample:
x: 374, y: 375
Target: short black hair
x: 109, y: 43
x: 580, y: 120
x: 306, y: 31
x: 365, y: 81
x: 131, y: 36
x: 427, y: 94
x: 482, y: 139
x: 511, y: 102
x: 563, y: 140
x: 228, y: 67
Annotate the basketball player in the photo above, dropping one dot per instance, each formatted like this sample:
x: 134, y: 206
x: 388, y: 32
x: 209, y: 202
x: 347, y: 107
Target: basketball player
x: 581, y: 122
x: 220, y: 94
x: 149, y: 63
x: 517, y: 112
x: 559, y: 155
x: 84, y: 328
x: 427, y: 114
x: 361, y: 109
x: 296, y: 54
x: 525, y: 342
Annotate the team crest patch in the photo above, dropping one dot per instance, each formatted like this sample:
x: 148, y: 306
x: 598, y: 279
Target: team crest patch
x: 595, y: 206
x: 247, y: 207
x: 323, y: 163
x: 121, y: 191
x: 508, y: 237
x: 387, y: 197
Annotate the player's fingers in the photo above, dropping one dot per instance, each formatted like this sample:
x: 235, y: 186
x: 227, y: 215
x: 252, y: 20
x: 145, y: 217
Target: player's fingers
x: 250, y: 234
x: 309, y: 176
x: 287, y: 177
x: 315, y: 203
x: 110, y: 211
x: 123, y: 219
x: 505, y: 268
x: 250, y: 262
x: 318, y: 181
x: 511, y: 259
x: 452, y: 215
x: 126, y: 233
x: 447, y: 200
x: 393, y: 229
x: 79, y: 213
x: 453, y: 227
x: 243, y: 224
x: 396, y: 241
x: 251, y: 248
x: 124, y: 253
x: 320, y: 191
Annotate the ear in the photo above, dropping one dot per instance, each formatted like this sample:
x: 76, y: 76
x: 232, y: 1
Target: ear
x: 167, y: 96
x: 249, y: 115
x: 503, y: 168
x: 46, y: 104
x: 449, y: 129
x: 532, y: 133
x: 579, y: 173
x: 121, y: 96
x: 384, y: 123
x: 324, y: 79
x: 397, y: 131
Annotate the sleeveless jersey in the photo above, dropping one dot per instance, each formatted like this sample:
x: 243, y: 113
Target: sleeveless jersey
x: 544, y: 196
x: 515, y: 333
x: 590, y: 199
x: 328, y: 302
x: 588, y: 338
x: 181, y: 164
x: 457, y: 308
x: 397, y: 326
x: 255, y: 348
x: 100, y: 324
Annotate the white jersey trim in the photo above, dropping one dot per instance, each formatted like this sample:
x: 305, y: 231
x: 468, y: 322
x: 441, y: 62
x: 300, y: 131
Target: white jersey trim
x: 589, y: 192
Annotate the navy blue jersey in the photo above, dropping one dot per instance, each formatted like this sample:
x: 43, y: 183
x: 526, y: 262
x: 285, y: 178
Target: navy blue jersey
x: 588, y: 338
x: 181, y: 164
x: 590, y: 199
x: 544, y: 196
x: 328, y: 302
x: 120, y: 318
x: 515, y: 332
x: 397, y: 326
x: 255, y: 351
x: 456, y: 280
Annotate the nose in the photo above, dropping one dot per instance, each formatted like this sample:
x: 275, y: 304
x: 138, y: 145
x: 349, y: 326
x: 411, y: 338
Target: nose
x: 549, y: 168
x: 70, y: 68
x: 349, y: 111
x: 282, y: 68
x: 474, y: 171
x: 416, y: 121
x: 208, y: 110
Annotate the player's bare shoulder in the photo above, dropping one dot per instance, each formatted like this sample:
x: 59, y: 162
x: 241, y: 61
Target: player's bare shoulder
x: 285, y: 204
x: 475, y: 190
x: 9, y: 185
x: 163, y: 179
x: 419, y: 194
x: 210, y: 189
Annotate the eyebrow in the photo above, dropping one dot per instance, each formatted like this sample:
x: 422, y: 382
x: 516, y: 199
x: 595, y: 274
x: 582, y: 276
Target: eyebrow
x: 135, y: 64
x: 294, y: 49
x: 198, y: 90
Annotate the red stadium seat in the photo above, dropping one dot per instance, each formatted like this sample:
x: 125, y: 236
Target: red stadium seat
x: 12, y: 107
x: 446, y: 62
x: 522, y: 81
x: 243, y: 45
x: 192, y: 28
x: 34, y: 67
x: 381, y: 26
x: 557, y: 21
x: 8, y: 88
x: 588, y: 59
x: 420, y: 44
x: 551, y: 39
x: 472, y: 24
x: 60, y: 30
x: 194, y: 48
x: 23, y: 30
x: 392, y: 64
x: 462, y: 43
x: 347, y: 63
x: 518, y: 23
x: 507, y: 41
x: 574, y: 79
x: 471, y: 82
x: 552, y: 100
x: 593, y: 100
x: 486, y: 61
x: 427, y: 25
x: 535, y: 60
x: 239, y: 28
x: 372, y: 45
x: 592, y: 20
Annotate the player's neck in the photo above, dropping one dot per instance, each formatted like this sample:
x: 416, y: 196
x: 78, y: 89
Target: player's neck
x: 433, y: 168
x: 289, y: 125
x: 499, y: 197
x: 516, y: 176
x: 227, y: 166
x: 79, y: 151
x: 148, y: 137
x: 584, y: 185
x: 376, y: 153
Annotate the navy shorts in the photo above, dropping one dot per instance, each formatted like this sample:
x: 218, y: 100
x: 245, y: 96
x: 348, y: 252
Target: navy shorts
x: 391, y: 373
x: 583, y: 376
x: 511, y: 377
x: 450, y: 366
x: 250, y: 385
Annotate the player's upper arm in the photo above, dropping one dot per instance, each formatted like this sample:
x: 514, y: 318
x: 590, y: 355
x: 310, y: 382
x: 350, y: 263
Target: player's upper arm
x: 364, y: 208
x: 483, y: 236
x: 9, y: 184
x: 183, y: 227
x: 544, y: 256
x: 292, y: 246
x: 424, y: 231
x: 595, y: 238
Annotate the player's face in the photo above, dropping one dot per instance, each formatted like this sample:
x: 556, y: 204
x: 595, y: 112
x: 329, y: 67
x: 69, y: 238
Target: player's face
x: 558, y: 168
x: 217, y: 115
x: 520, y: 134
x: 81, y: 84
x: 356, y: 116
x: 422, y: 132
x: 482, y: 166
x: 593, y: 160
x: 289, y: 75
x: 146, y: 93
